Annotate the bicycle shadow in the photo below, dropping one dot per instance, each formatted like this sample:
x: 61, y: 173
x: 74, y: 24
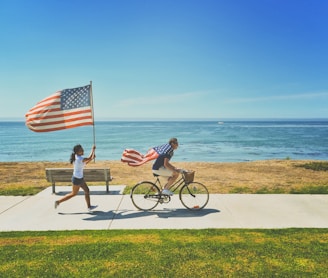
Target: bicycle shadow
x: 132, y: 214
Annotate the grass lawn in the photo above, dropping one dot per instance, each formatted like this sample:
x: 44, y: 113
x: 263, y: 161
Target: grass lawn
x: 172, y: 253
x: 255, y: 177
x: 165, y: 253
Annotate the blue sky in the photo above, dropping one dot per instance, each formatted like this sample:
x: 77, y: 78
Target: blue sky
x: 168, y: 59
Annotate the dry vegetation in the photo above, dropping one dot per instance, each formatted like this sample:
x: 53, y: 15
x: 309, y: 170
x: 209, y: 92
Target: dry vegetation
x: 269, y: 176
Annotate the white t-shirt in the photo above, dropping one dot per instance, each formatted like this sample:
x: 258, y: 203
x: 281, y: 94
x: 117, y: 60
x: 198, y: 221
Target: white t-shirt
x: 78, y: 167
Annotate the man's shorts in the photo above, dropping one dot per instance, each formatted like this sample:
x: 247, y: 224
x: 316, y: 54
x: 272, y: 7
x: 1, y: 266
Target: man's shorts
x: 164, y: 172
x: 77, y: 181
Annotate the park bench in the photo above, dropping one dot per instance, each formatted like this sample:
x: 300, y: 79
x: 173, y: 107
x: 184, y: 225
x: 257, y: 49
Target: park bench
x: 54, y: 175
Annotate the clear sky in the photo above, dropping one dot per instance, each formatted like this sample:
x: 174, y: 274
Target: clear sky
x: 168, y: 59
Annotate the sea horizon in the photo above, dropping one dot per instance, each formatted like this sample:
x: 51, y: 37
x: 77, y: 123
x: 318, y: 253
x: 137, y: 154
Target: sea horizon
x: 218, y: 140
x: 105, y: 119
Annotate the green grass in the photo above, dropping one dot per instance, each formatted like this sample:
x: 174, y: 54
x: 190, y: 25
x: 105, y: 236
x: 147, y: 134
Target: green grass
x: 165, y: 253
x: 310, y: 189
x: 316, y: 166
x: 314, y: 189
x: 20, y: 191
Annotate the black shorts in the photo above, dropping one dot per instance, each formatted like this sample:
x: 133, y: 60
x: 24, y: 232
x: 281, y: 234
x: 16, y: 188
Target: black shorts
x: 77, y: 181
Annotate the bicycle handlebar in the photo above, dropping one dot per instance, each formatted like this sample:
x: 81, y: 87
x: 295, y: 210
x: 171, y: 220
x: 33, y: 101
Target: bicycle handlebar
x: 183, y: 171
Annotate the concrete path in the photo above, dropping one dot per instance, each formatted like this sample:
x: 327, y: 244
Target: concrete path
x: 116, y: 211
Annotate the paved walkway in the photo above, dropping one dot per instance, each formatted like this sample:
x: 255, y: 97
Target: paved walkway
x: 116, y: 211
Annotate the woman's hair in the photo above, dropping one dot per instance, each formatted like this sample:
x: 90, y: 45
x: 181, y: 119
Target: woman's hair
x: 76, y: 149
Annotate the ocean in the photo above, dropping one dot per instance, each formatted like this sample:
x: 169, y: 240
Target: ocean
x: 208, y: 141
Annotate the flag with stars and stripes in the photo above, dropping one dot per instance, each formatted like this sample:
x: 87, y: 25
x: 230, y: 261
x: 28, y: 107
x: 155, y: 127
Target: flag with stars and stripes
x: 64, y: 109
x: 135, y: 158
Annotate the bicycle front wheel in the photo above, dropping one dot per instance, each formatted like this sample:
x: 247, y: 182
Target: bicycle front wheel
x: 194, y: 196
x: 145, y: 195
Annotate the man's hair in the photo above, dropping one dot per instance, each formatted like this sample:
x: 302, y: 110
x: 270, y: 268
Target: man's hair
x: 173, y: 140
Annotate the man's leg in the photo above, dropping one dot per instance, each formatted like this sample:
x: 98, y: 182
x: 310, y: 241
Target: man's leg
x: 171, y: 176
x: 171, y: 180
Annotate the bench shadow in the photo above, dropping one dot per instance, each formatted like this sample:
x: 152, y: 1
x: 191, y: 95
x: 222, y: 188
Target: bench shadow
x: 132, y: 214
x: 81, y: 192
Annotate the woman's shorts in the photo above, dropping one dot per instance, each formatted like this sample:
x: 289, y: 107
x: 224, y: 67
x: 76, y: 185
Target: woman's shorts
x: 77, y: 181
x: 164, y: 172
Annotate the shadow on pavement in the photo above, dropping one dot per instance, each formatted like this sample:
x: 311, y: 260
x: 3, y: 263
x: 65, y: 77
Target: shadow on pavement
x: 81, y: 192
x: 128, y: 214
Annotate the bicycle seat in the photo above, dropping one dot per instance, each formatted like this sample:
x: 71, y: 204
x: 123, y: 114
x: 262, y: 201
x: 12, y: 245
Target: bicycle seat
x: 155, y: 175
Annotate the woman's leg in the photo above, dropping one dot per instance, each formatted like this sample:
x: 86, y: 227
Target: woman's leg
x: 85, y: 187
x: 75, y: 190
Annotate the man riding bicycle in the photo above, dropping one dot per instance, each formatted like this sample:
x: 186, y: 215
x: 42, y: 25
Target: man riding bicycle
x: 162, y: 165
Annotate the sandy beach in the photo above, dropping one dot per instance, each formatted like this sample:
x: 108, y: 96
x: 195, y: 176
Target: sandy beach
x: 268, y: 176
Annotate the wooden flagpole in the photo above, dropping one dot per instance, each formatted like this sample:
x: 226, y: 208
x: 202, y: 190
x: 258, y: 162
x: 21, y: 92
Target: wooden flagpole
x: 93, y: 119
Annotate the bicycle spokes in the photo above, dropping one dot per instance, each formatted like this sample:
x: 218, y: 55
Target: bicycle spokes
x: 194, y: 196
x: 146, y: 195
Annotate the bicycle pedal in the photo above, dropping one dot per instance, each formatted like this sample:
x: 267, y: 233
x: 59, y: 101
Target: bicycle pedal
x: 166, y: 199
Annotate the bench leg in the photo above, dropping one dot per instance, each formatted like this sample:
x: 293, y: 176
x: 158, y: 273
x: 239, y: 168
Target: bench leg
x: 107, y: 186
x: 53, y: 189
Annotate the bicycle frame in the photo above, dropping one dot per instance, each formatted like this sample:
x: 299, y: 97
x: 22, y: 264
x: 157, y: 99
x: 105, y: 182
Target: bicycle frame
x: 193, y: 197
x: 174, y: 187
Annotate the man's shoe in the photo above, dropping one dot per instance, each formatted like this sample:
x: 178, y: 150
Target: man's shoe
x: 167, y: 192
x: 56, y: 204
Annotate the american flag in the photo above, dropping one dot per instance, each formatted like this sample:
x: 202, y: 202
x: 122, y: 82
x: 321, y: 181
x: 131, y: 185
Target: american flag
x: 64, y: 109
x: 135, y: 158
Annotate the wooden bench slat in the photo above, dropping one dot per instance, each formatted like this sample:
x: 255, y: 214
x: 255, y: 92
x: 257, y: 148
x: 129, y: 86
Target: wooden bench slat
x: 54, y: 175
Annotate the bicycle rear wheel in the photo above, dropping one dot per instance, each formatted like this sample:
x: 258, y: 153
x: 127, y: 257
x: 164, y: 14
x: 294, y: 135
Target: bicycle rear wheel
x: 145, y: 195
x: 194, y: 196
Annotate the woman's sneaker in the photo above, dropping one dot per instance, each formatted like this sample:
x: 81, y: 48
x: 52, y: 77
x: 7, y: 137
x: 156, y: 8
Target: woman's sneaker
x: 56, y: 204
x: 167, y: 192
x: 92, y: 208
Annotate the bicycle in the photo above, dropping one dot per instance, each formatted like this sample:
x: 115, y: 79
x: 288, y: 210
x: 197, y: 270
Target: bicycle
x: 146, y: 195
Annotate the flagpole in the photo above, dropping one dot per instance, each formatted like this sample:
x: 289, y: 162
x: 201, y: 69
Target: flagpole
x: 93, y: 119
